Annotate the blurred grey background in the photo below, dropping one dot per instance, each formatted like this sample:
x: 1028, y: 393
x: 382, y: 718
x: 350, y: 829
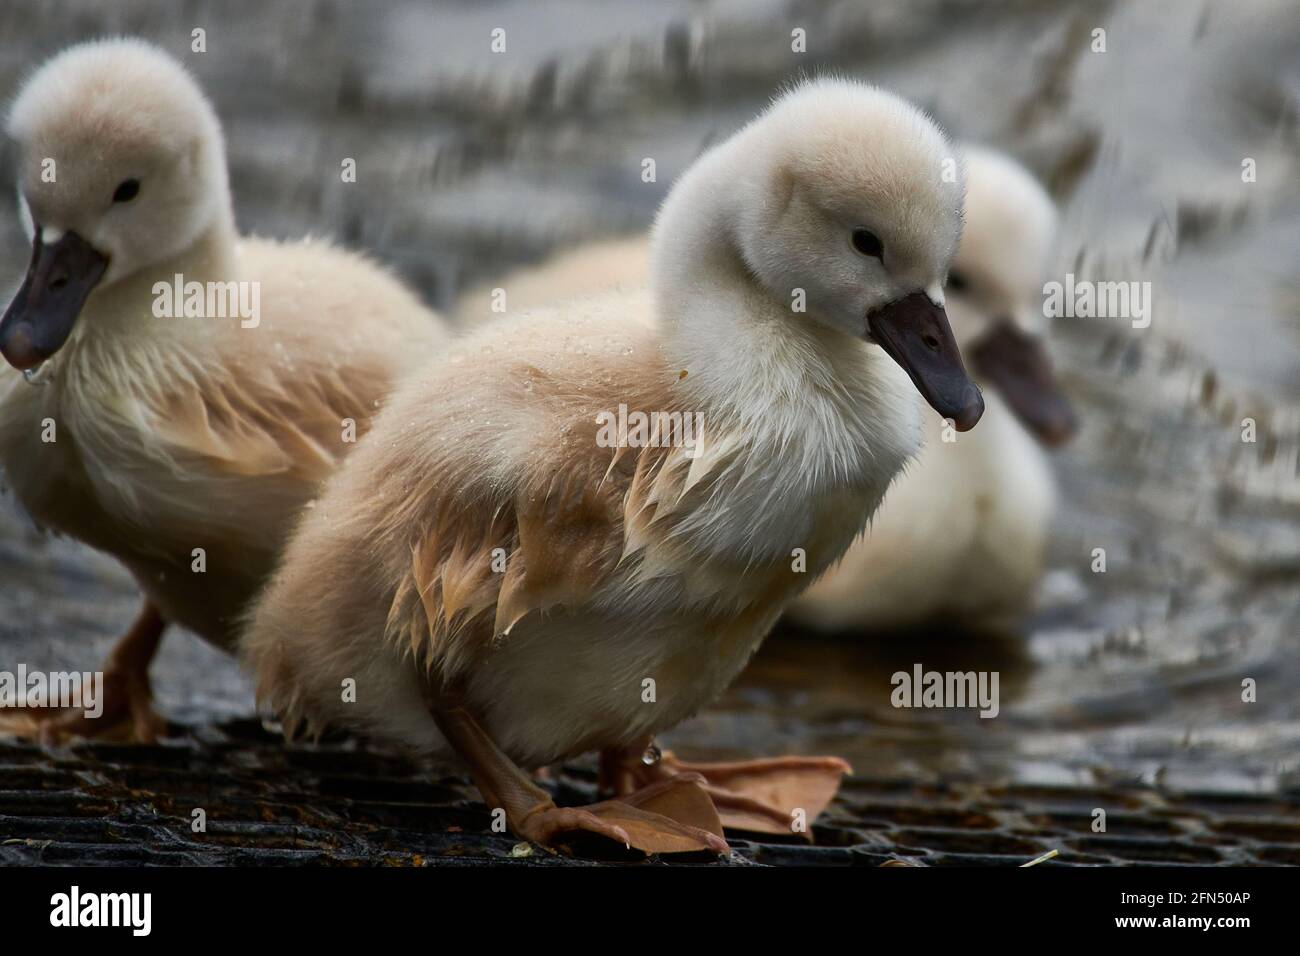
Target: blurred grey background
x: 470, y: 162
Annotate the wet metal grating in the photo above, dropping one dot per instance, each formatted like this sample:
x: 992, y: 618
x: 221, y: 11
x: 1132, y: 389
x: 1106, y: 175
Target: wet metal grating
x: 343, y: 804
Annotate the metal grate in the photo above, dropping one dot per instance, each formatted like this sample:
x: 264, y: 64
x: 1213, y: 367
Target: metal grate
x: 341, y: 803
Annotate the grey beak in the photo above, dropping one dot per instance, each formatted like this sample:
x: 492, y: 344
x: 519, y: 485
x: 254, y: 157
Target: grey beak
x: 915, y: 334
x: 40, y: 318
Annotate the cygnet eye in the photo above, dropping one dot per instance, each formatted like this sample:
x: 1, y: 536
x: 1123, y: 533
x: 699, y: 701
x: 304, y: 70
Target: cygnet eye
x: 957, y: 282
x: 127, y: 190
x: 868, y: 243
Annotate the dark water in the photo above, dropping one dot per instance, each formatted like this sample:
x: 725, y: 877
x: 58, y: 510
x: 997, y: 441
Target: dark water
x: 470, y: 162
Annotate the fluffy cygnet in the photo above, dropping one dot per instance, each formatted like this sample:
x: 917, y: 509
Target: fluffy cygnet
x: 512, y: 568
x: 185, y: 446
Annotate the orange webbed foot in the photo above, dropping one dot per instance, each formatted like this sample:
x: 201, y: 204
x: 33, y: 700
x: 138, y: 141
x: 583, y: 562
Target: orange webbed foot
x: 671, y: 816
x: 775, y: 795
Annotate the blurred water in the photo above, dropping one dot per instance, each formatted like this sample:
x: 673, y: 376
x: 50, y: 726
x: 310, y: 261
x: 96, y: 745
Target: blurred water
x: 470, y: 162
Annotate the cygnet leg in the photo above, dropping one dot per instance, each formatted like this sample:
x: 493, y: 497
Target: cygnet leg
x: 126, y: 694
x: 533, y: 816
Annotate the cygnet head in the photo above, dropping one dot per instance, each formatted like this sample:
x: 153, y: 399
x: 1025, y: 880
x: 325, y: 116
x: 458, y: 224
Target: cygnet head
x: 850, y: 194
x: 121, y: 166
x: 995, y: 291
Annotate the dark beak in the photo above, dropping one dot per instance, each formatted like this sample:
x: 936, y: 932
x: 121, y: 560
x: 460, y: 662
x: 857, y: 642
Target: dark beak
x: 42, y: 314
x: 1017, y: 365
x: 915, y: 333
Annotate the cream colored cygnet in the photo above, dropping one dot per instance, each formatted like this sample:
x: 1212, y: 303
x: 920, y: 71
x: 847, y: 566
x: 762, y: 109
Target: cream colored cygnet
x: 513, y: 569
x: 191, y: 388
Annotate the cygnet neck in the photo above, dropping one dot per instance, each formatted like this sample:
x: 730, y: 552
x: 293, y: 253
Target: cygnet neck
x: 825, y: 410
